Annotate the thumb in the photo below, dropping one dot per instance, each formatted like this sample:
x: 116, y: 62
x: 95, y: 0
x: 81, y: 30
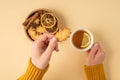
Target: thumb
x: 94, y: 50
x: 46, y: 56
x: 52, y: 45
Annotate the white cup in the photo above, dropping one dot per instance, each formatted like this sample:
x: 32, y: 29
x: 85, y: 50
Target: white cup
x: 91, y: 36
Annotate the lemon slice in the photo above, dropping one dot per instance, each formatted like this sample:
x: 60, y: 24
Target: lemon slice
x: 52, y: 30
x: 86, y: 40
x: 48, y: 20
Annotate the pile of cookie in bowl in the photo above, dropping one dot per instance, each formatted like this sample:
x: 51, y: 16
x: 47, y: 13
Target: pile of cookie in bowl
x: 45, y: 21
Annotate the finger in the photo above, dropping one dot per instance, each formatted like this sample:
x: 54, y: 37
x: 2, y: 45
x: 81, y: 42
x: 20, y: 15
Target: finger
x: 94, y: 50
x: 57, y: 48
x: 101, y: 51
x: 51, y: 46
x: 49, y: 36
x: 100, y: 54
x: 88, y: 51
x: 44, y: 37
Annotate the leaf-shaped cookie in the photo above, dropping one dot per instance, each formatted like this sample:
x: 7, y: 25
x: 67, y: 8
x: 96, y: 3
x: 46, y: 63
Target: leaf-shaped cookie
x: 63, y: 34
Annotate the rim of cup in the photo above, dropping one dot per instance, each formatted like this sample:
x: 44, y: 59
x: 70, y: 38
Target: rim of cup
x: 91, y: 36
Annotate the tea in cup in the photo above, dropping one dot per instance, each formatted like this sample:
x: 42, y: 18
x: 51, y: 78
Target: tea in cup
x: 82, y: 39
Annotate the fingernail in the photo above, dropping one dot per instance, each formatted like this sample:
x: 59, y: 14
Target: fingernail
x: 54, y: 39
x: 97, y: 45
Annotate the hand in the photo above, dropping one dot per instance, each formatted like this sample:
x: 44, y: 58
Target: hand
x: 42, y: 50
x: 95, y: 56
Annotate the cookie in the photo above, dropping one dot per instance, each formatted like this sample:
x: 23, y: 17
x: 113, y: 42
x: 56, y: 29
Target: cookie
x: 63, y: 34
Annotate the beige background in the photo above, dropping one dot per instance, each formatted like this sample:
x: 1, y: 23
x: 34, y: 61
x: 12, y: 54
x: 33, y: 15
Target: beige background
x: 102, y: 17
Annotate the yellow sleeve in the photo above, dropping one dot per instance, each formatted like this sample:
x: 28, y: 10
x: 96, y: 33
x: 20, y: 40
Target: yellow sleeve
x: 33, y: 73
x: 95, y: 72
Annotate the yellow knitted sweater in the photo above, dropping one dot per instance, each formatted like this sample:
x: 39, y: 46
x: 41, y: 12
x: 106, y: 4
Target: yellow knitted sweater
x: 92, y: 72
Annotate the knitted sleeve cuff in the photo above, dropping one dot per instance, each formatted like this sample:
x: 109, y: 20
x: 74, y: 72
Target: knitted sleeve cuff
x: 95, y: 72
x: 33, y: 73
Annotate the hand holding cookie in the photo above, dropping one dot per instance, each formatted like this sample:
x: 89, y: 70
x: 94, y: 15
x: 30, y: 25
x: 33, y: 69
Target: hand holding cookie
x: 42, y: 50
